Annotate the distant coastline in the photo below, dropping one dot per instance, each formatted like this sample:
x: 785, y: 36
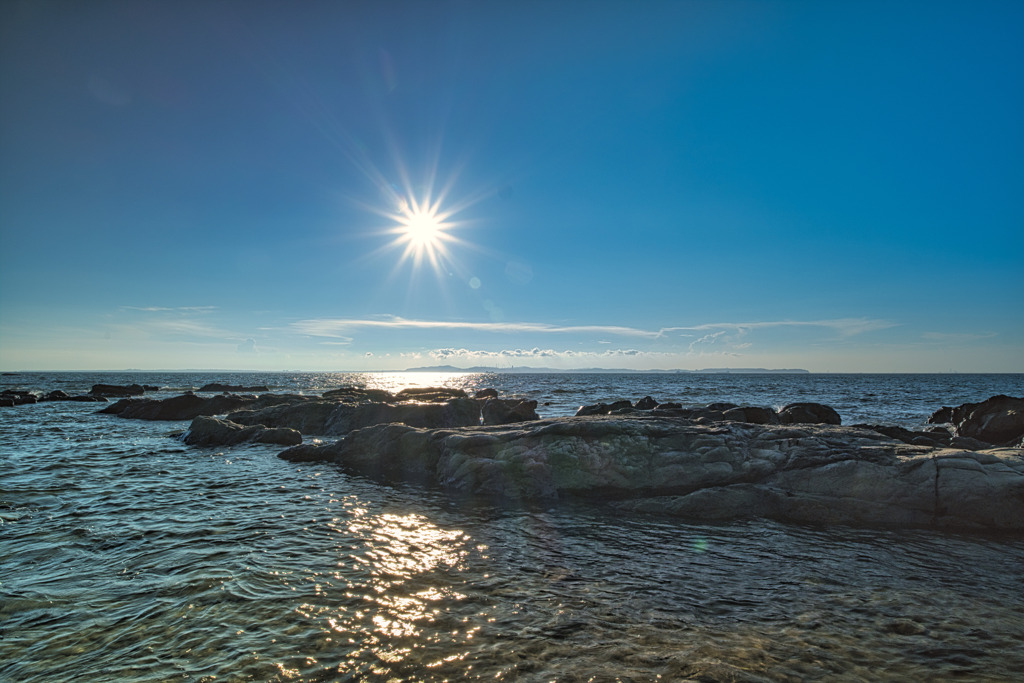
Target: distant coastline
x: 616, y: 371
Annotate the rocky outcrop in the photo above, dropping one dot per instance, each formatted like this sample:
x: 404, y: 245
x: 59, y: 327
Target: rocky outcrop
x: 120, y: 391
x: 222, y: 388
x: 333, y: 418
x: 804, y: 473
x: 998, y: 420
x: 209, y: 431
x: 337, y: 413
x: 188, y: 406
x: 811, y: 413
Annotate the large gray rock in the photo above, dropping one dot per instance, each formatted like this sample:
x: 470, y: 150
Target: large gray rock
x: 209, y: 431
x: 806, y: 473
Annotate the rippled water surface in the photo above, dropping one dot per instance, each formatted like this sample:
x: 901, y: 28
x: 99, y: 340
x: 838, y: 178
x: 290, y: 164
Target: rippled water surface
x: 125, y: 555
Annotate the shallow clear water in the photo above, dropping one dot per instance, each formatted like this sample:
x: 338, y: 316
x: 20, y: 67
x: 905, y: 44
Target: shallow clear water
x: 125, y: 555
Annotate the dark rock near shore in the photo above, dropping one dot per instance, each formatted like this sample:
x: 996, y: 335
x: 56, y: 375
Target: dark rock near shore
x: 809, y: 413
x: 209, y: 431
x: 752, y: 414
x: 430, y: 394
x: 603, y: 408
x: 117, y: 390
x: 333, y: 418
x: 188, y: 406
x: 221, y: 388
x: 497, y: 411
x: 15, y: 397
x: 907, y: 436
x: 184, y: 407
x: 998, y: 420
x: 359, y: 394
x: 486, y: 393
x: 810, y: 473
x: 646, y: 403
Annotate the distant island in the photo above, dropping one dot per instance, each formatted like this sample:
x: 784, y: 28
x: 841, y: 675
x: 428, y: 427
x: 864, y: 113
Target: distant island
x: 617, y: 371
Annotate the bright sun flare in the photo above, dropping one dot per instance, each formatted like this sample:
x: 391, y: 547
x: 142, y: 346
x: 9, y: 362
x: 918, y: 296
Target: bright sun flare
x: 422, y: 229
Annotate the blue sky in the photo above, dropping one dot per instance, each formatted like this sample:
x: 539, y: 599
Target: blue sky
x: 831, y: 186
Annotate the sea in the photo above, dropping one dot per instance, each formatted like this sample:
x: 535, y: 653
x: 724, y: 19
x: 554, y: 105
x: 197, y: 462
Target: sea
x: 126, y: 555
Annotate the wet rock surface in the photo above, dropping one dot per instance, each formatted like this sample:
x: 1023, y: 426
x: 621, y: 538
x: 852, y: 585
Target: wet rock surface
x: 804, y: 473
x: 210, y: 431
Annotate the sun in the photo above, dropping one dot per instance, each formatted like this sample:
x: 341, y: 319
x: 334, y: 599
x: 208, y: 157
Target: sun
x: 423, y: 230
x: 424, y: 225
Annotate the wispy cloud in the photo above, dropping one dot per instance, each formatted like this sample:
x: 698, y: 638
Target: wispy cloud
x: 845, y: 327
x: 174, y: 309
x: 509, y: 355
x: 343, y: 327
x: 334, y: 327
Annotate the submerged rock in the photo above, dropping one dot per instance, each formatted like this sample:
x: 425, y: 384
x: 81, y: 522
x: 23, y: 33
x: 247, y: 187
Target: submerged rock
x: 209, y: 431
x: 806, y: 473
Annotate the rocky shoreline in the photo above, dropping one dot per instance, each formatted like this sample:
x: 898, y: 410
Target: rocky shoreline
x: 716, y: 462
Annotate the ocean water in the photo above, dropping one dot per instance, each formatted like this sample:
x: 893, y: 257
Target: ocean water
x: 128, y: 556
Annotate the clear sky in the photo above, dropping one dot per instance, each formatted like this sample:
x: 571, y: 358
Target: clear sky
x: 836, y: 186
